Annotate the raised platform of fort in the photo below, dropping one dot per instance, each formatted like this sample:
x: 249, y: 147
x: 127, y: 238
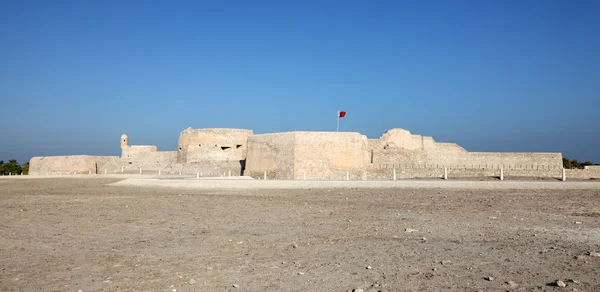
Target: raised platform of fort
x: 397, y: 154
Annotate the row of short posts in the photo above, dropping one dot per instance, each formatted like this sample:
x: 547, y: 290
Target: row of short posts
x: 564, y: 176
x: 199, y: 174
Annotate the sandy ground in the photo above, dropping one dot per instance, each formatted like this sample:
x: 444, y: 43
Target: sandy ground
x: 109, y: 234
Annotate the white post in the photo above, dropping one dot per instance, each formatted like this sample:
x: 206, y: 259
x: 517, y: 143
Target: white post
x: 230, y: 174
x: 304, y: 175
x: 140, y: 170
x: 337, y: 129
x: 9, y: 173
x: 89, y: 172
x: 564, y: 175
x: 394, y: 174
x: 265, y: 175
x: 105, y: 171
x: 122, y: 168
x: 501, y: 173
x: 180, y: 172
x: 347, y: 176
x: 445, y: 173
x: 197, y: 175
x: 159, y: 172
x: 201, y: 174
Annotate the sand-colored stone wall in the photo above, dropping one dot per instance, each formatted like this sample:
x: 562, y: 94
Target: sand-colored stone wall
x: 76, y: 164
x: 589, y: 172
x: 270, y: 153
x: 201, y: 145
x: 327, y: 155
x: 136, y: 151
x: 398, y: 146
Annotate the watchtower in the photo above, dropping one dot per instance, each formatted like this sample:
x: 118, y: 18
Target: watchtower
x: 124, y: 141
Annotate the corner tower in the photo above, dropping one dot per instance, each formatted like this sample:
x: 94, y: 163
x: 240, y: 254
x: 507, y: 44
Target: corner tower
x: 124, y: 141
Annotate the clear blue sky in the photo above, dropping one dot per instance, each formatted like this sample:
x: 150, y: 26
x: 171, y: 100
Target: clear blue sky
x: 502, y: 75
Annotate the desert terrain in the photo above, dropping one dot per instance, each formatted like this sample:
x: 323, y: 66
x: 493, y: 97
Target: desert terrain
x: 117, y: 234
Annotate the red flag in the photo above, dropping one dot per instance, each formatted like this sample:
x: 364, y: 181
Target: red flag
x: 342, y: 114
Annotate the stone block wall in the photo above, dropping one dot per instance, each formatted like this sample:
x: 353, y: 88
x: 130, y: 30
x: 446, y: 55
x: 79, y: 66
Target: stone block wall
x: 398, y: 146
x: 108, y: 164
x: 271, y: 153
x: 76, y: 164
x: 327, y: 155
x: 511, y: 158
x: 136, y: 151
x: 589, y: 172
x: 219, y: 144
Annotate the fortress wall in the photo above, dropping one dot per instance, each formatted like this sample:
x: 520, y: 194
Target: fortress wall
x: 386, y: 172
x: 589, y: 172
x: 327, y: 155
x: 153, y: 160
x: 402, y: 139
x: 400, y: 156
x: 211, y: 168
x: 137, y: 150
x: 273, y: 153
x: 511, y: 158
x: 112, y: 164
x: 78, y: 164
x: 451, y: 154
x: 374, y: 144
x: 221, y: 144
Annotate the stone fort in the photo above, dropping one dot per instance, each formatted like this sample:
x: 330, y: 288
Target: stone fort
x: 305, y: 155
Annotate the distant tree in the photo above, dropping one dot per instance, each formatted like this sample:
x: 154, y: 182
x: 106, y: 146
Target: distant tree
x: 12, y: 167
x: 26, y: 168
x: 567, y: 163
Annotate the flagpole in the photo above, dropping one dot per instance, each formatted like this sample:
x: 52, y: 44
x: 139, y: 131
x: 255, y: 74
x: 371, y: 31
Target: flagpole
x: 337, y: 129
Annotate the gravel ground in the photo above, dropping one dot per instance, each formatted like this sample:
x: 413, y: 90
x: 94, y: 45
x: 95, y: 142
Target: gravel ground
x: 111, y: 234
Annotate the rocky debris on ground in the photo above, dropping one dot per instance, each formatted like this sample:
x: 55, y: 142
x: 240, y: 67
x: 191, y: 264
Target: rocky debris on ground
x: 560, y: 283
x: 369, y: 267
x: 192, y: 282
x: 489, y: 278
x: 512, y: 284
x: 410, y: 230
x: 236, y: 286
x: 446, y: 262
x: 300, y: 273
x: 594, y: 254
